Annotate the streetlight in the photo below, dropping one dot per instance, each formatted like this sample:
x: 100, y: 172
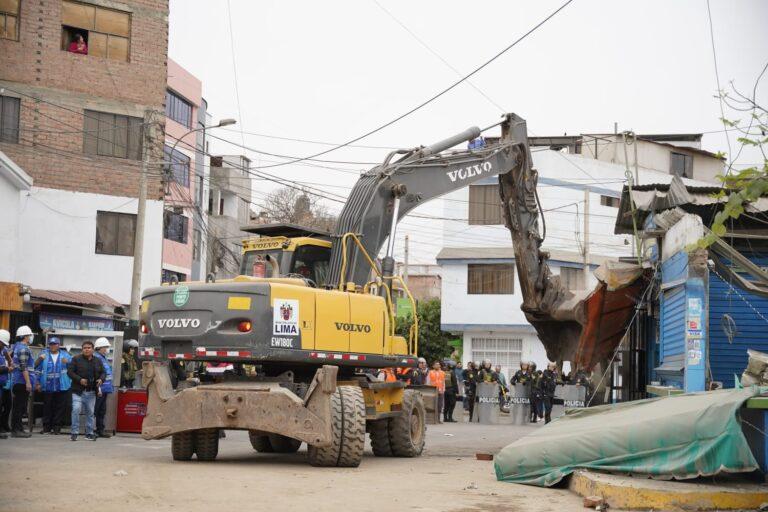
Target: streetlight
x: 138, y: 247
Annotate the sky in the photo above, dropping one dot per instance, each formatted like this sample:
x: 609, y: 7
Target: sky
x: 330, y: 71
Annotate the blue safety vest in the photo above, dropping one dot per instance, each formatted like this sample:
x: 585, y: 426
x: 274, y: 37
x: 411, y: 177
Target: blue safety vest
x: 17, y: 377
x: 106, y: 386
x: 3, y: 364
x: 53, y: 375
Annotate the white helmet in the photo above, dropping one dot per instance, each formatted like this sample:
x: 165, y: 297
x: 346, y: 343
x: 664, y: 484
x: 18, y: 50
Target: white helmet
x: 24, y: 330
x: 101, y: 342
x: 133, y: 343
x: 5, y: 337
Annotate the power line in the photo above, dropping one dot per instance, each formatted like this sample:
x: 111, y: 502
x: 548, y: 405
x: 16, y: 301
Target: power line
x: 717, y: 80
x: 234, y: 69
x: 435, y: 96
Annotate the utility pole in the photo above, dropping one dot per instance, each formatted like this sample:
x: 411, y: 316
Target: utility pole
x: 138, y: 244
x: 586, y: 238
x: 405, y: 262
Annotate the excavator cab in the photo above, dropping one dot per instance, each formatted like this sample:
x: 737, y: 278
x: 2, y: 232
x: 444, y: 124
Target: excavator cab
x: 287, y: 250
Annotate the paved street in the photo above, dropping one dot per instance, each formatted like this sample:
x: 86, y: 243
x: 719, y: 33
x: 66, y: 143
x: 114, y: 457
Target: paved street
x: 82, y: 475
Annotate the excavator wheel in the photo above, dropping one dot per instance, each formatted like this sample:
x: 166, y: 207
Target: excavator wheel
x: 183, y: 445
x: 347, y: 431
x: 283, y: 444
x: 379, y: 431
x: 207, y: 444
x: 260, y: 441
x: 407, y: 432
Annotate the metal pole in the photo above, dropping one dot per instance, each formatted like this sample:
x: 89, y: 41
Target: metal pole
x: 637, y: 167
x: 405, y: 262
x: 138, y: 244
x: 586, y: 238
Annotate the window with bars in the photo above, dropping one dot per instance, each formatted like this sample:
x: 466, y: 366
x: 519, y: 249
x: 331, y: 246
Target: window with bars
x: 610, y: 201
x: 114, y: 135
x: 572, y: 278
x: 106, y: 32
x: 9, y: 119
x: 505, y: 352
x: 490, y: 279
x: 175, y: 226
x: 115, y: 233
x: 485, y: 205
x: 9, y: 19
x: 178, y: 109
x: 177, y: 166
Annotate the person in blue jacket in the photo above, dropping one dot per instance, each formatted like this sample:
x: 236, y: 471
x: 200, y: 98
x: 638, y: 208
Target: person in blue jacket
x: 5, y: 390
x: 102, y: 346
x: 22, y: 379
x: 54, y: 383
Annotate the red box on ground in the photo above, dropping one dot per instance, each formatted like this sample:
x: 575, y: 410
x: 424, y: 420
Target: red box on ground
x: 131, y: 409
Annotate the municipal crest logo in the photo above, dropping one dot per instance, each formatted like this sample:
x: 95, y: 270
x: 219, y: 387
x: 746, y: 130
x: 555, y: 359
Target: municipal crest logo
x: 286, y: 312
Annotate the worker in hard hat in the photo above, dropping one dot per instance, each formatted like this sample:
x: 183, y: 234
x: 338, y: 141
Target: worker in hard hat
x: 129, y: 364
x: 22, y: 379
x: 419, y: 375
x: 54, y: 383
x: 102, y: 347
x: 5, y: 393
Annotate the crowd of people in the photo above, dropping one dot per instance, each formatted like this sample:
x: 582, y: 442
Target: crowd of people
x: 457, y: 384
x: 84, y: 380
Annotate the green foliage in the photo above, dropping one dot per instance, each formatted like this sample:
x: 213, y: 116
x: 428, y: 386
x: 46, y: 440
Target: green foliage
x: 745, y: 185
x: 433, y: 342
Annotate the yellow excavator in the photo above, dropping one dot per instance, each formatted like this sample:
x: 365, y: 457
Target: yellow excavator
x: 312, y: 315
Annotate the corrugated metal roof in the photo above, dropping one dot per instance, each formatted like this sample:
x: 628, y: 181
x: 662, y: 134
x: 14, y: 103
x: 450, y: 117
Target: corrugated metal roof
x: 85, y: 298
x: 661, y: 196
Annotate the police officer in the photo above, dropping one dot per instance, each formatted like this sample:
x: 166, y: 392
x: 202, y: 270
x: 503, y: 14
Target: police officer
x: 22, y: 379
x: 547, y: 383
x: 5, y: 393
x: 486, y: 372
x: 54, y: 383
x: 470, y: 387
x: 101, y: 347
x: 535, y: 392
x: 521, y: 376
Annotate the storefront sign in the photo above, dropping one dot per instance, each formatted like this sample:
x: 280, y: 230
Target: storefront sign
x: 75, y: 323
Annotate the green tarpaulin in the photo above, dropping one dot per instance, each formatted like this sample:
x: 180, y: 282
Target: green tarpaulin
x: 682, y: 436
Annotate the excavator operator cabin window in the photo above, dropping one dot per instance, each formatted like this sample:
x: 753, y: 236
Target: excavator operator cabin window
x: 312, y: 262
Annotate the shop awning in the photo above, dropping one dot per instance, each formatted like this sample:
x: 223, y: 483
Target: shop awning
x: 72, y: 297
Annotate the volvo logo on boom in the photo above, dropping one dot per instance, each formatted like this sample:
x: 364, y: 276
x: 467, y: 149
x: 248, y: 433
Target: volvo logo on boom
x: 342, y: 326
x: 469, y: 172
x: 178, y: 323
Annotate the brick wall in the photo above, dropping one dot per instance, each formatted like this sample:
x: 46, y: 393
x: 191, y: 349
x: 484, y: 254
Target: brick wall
x: 36, y: 70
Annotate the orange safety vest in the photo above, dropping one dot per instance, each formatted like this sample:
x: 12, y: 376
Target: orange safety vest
x: 436, y: 378
x: 389, y: 375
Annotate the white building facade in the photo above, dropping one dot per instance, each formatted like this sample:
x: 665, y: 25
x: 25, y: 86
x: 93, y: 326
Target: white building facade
x: 73, y: 241
x: 480, y: 293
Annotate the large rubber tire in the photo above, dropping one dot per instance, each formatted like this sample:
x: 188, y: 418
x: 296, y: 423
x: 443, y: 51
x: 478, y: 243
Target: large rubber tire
x: 283, y: 444
x: 379, y: 432
x: 347, y: 431
x: 183, y: 445
x: 260, y: 442
x: 207, y: 444
x: 408, y: 431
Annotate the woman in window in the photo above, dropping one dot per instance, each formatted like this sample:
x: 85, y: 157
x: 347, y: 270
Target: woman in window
x: 78, y: 45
